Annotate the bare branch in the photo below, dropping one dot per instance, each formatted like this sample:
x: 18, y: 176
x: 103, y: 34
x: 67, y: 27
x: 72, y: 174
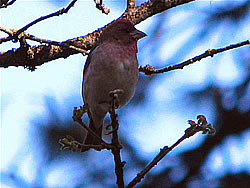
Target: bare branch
x: 79, y: 50
x: 150, y: 8
x: 7, y: 31
x: 32, y: 37
x: 45, y: 53
x: 149, y: 70
x: 115, y: 140
x: 100, y: 5
x: 5, y: 39
x: 16, y: 33
x: 62, y: 44
x: 4, y: 3
x: 57, y: 13
x: 201, y: 125
x: 70, y: 143
x: 77, y: 116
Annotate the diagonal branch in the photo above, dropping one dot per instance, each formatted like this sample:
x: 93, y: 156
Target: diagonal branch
x: 149, y: 70
x: 77, y: 116
x: 69, y: 142
x: 5, y: 3
x: 38, y: 55
x: 7, y: 31
x: 201, y: 125
x: 100, y: 5
x: 16, y: 34
x: 57, y: 13
x: 62, y: 44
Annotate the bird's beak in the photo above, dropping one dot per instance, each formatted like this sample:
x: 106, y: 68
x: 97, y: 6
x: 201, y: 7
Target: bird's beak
x: 137, y: 34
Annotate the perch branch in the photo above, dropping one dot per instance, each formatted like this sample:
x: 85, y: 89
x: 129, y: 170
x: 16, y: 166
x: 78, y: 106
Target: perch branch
x: 149, y: 70
x: 38, y: 55
x: 115, y: 140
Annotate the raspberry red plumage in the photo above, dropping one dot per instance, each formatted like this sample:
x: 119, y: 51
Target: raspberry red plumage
x: 112, y: 64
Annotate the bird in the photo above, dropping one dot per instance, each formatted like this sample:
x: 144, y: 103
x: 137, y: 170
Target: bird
x: 111, y: 65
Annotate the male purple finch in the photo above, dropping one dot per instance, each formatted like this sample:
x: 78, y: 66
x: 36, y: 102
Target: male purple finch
x: 111, y: 64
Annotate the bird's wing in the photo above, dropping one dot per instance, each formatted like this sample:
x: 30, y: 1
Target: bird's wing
x: 88, y: 60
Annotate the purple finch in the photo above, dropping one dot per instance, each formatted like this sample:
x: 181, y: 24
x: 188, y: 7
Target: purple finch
x: 111, y: 64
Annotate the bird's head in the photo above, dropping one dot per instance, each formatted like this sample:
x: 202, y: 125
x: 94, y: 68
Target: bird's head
x: 122, y: 29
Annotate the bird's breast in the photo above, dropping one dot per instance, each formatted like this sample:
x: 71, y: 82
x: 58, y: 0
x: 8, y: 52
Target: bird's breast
x: 111, y: 67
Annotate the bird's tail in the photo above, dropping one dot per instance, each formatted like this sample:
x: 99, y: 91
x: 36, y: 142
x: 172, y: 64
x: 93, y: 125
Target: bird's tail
x: 90, y: 139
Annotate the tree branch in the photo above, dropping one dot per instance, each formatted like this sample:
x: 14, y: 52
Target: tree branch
x: 115, y: 140
x: 16, y: 34
x: 7, y: 31
x: 194, y: 128
x: 150, y: 8
x: 149, y: 70
x: 62, y: 44
x: 77, y: 116
x: 38, y: 55
x: 57, y: 13
x: 70, y: 143
x: 100, y: 5
x: 4, y: 3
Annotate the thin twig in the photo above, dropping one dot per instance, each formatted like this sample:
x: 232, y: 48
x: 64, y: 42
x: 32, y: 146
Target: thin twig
x: 149, y: 70
x: 77, y: 116
x: 115, y: 142
x: 7, y: 31
x: 202, y: 125
x: 5, y: 39
x: 90, y: 131
x: 100, y: 5
x: 16, y: 33
x: 84, y: 52
x: 63, y: 44
x: 32, y: 37
x: 70, y: 143
x: 5, y: 4
x: 57, y: 13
